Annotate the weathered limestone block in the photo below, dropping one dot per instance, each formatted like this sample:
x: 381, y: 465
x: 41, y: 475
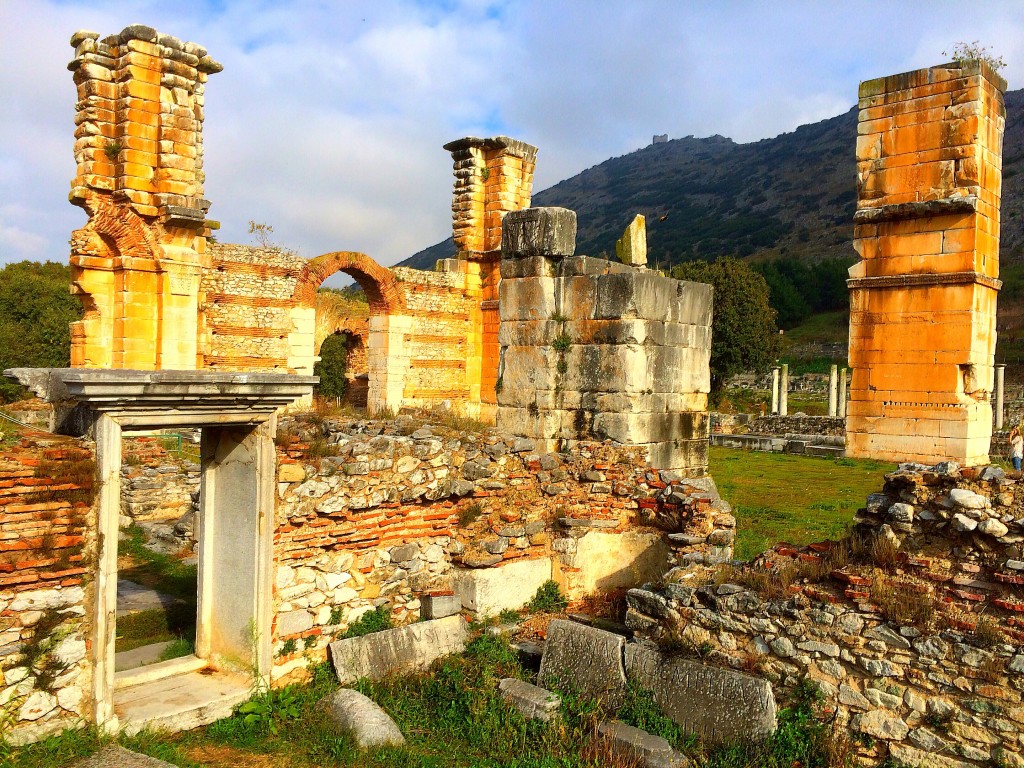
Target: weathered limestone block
x: 532, y: 701
x: 716, y: 704
x: 395, y: 651
x: 489, y: 591
x: 584, y: 660
x: 651, y: 751
x: 631, y: 248
x: 609, y: 560
x: 539, y: 232
x: 359, y: 716
x: 575, y: 330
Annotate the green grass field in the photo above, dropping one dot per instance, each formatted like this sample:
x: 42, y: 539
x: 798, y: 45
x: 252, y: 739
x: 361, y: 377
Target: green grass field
x: 787, y: 497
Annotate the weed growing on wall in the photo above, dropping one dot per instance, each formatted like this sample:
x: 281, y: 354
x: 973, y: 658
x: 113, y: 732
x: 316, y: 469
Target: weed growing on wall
x: 549, y: 598
x: 965, y: 53
x: 376, y: 620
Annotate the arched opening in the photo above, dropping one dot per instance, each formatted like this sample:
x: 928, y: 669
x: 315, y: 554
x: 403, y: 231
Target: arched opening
x: 342, y: 367
x: 373, y: 337
x: 102, y: 254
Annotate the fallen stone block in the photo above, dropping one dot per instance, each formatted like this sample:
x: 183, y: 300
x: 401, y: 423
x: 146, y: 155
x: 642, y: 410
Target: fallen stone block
x: 439, y: 606
x: 532, y: 701
x: 717, y: 705
x: 489, y: 591
x: 359, y: 716
x: 586, y: 661
x: 538, y: 232
x: 114, y: 756
x: 652, y: 751
x: 395, y: 651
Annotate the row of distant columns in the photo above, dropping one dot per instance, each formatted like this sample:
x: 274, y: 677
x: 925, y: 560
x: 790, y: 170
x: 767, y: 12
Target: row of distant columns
x: 836, y: 391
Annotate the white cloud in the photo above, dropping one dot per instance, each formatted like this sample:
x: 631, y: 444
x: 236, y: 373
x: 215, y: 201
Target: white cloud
x: 328, y: 119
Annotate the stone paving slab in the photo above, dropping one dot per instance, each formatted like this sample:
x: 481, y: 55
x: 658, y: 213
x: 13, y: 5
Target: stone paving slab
x: 119, y: 757
x: 396, y: 651
x: 132, y: 598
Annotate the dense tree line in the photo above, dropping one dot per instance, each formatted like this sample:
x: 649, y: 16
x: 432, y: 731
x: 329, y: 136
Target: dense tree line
x: 36, y: 309
x: 800, y: 289
x: 744, y: 336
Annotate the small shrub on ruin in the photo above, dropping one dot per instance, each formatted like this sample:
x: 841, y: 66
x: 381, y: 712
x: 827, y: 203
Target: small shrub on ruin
x: 37, y: 651
x: 262, y: 233
x: 470, y: 513
x: 767, y: 583
x: 376, y: 620
x: 288, y: 648
x: 964, y: 53
x: 285, y: 436
x: 548, y: 599
x: 112, y: 149
x: 904, y: 603
x: 987, y: 633
x: 79, y: 473
x: 508, y: 616
x: 562, y: 342
x: 320, y: 448
x: 993, y: 669
x: 939, y: 722
x: 885, y: 553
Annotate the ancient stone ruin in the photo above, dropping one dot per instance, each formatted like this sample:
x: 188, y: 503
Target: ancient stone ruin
x: 923, y: 296
x: 597, y: 375
x: 597, y: 349
x: 299, y: 527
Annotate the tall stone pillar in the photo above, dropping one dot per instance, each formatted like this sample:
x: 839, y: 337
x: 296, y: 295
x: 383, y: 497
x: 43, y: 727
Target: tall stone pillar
x: 784, y: 391
x: 1000, y: 380
x: 136, y: 264
x: 923, y: 296
x: 833, y: 383
x: 492, y: 177
x: 842, y: 394
x: 775, y: 391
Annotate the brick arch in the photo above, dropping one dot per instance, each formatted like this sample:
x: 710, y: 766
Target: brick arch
x: 377, y: 282
x: 113, y: 227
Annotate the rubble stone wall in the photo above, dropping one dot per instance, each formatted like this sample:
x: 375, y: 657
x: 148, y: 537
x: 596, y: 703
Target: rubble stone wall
x: 376, y: 513
x: 160, y: 495
x: 46, y: 537
x: 249, y: 294
x: 946, y: 690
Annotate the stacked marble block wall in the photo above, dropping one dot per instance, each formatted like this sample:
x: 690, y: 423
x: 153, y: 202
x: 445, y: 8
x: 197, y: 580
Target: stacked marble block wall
x: 137, y: 262
x: 492, y: 177
x: 923, y: 296
x: 593, y: 349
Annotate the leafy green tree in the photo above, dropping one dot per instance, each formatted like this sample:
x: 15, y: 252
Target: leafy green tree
x: 36, y: 309
x: 331, y: 366
x: 744, y: 335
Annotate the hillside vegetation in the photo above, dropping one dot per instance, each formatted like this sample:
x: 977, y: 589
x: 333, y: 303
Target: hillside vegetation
x: 792, y: 195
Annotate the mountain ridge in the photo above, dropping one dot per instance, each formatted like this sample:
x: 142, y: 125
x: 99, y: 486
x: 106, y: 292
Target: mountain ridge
x: 791, y: 195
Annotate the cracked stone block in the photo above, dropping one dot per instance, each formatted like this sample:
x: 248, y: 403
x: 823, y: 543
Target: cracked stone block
x: 532, y: 701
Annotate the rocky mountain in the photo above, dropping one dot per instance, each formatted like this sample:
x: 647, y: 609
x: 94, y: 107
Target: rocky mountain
x: 791, y: 195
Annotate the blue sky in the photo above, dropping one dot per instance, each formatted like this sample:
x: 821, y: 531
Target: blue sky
x: 329, y: 117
